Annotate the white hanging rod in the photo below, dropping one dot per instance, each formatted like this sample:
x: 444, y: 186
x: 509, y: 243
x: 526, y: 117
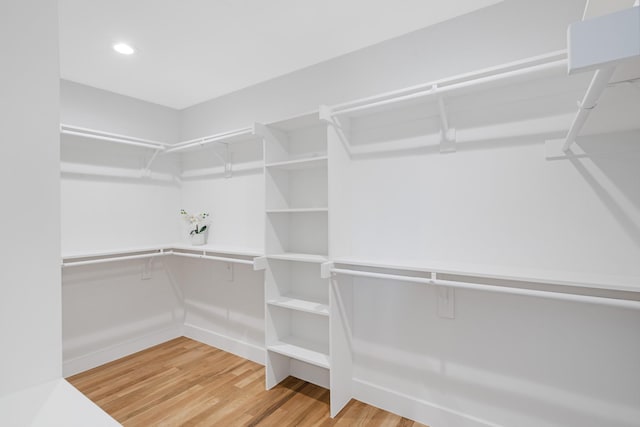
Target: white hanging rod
x: 555, y: 61
x: 209, y: 139
x: 492, y: 288
x: 213, y: 258
x: 113, y: 259
x: 111, y: 137
x: 597, y: 86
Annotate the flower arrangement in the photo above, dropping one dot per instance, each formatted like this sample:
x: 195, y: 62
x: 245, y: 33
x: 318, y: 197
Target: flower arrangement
x: 198, y: 221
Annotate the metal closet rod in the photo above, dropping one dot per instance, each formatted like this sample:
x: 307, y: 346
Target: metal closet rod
x: 213, y: 258
x: 156, y: 254
x: 554, y: 61
x: 113, y: 259
x: 492, y: 288
x: 208, y: 139
x: 111, y: 137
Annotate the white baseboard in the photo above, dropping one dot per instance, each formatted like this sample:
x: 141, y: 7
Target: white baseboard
x: 239, y: 348
x: 108, y: 354
x: 423, y: 411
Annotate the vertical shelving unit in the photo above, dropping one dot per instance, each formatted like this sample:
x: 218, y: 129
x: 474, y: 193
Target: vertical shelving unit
x: 297, y: 242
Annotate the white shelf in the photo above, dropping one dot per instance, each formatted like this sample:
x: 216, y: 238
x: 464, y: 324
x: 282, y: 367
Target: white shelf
x: 230, y: 137
x: 298, y: 164
x: 306, y: 306
x: 300, y: 349
x: 71, y: 255
x: 300, y: 121
x: 219, y: 249
x: 297, y: 210
x: 560, y: 278
x: 514, y: 73
x: 291, y: 256
x: 227, y: 250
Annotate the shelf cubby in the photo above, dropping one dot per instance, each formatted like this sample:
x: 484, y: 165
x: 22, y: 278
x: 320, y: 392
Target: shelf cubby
x: 303, y: 233
x: 296, y: 188
x: 297, y: 139
x: 304, y: 336
x: 297, y: 286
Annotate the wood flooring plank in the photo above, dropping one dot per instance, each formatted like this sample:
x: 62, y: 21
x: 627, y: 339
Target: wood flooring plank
x: 186, y: 383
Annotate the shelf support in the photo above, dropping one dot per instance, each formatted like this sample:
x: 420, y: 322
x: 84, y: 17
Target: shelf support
x: 147, y: 269
x: 447, y: 134
x: 589, y: 102
x: 341, y: 126
x: 146, y: 172
x: 446, y: 299
x: 260, y: 263
x: 325, y: 270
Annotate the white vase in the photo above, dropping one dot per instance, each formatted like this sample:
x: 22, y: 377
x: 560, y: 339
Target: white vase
x: 198, y: 239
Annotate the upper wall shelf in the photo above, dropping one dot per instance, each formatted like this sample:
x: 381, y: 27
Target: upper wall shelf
x: 210, y: 252
x: 304, y: 163
x: 111, y: 137
x: 507, y: 74
x: 223, y: 138
x: 230, y: 137
x: 553, y: 278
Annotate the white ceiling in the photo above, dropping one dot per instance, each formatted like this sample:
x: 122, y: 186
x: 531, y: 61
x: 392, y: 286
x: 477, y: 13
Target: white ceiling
x: 189, y: 51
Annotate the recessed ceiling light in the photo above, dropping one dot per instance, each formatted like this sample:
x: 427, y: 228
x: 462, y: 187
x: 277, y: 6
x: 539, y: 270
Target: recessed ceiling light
x: 123, y: 48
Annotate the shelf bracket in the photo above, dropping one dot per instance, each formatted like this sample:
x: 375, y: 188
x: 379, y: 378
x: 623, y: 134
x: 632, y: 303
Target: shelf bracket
x: 229, y: 271
x: 260, y: 263
x: 226, y: 160
x: 325, y: 269
x: 147, y: 269
x: 447, y: 134
x: 598, y: 84
x: 146, y: 172
x: 324, y: 114
x: 446, y: 300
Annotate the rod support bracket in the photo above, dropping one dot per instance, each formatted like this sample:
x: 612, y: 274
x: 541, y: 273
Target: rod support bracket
x: 446, y: 302
x: 147, y: 269
x: 448, y: 140
x: 260, y: 263
x: 325, y: 269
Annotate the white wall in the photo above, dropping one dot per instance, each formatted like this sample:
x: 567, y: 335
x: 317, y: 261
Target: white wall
x: 29, y: 277
x: 503, y: 360
x: 114, y: 208
x: 108, y: 309
x: 508, y: 31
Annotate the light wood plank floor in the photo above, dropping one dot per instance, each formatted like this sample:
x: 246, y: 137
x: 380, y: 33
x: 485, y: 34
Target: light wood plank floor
x: 186, y: 383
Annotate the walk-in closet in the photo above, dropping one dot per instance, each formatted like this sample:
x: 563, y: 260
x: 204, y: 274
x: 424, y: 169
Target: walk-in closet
x: 320, y: 213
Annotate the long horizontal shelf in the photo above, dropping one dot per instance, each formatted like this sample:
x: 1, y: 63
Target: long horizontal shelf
x: 297, y: 210
x: 551, y: 64
x: 234, y: 136
x: 298, y: 164
x: 219, y: 249
x: 298, y: 304
x: 300, y: 349
x: 575, y: 280
x: 299, y: 121
x: 202, y: 249
x: 291, y: 256
x: 118, y: 138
